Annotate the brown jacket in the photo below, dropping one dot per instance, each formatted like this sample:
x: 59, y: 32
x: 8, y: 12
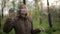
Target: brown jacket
x: 21, y: 26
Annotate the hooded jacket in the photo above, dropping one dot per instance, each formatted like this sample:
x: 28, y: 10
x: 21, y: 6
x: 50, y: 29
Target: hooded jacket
x: 21, y: 25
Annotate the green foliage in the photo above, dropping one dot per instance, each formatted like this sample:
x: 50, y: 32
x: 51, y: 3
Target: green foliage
x: 36, y: 15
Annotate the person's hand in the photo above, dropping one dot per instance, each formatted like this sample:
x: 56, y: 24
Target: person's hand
x: 38, y: 30
x: 35, y: 31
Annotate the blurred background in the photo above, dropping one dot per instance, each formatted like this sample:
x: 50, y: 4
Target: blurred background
x: 45, y: 14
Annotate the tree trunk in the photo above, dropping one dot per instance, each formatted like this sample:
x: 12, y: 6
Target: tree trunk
x: 3, y: 5
x: 24, y: 1
x: 49, y: 17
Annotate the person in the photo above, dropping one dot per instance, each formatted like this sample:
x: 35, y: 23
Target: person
x: 11, y: 12
x: 22, y: 23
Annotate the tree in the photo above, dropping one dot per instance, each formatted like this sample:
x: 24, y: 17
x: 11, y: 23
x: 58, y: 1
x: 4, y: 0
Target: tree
x: 40, y: 12
x: 24, y: 1
x: 49, y: 16
x: 37, y: 9
x: 3, y: 5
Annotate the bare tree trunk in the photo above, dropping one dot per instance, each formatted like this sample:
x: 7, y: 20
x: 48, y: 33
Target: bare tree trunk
x: 49, y: 17
x: 2, y: 12
x: 0, y: 21
x: 40, y: 12
x: 24, y: 1
x: 3, y: 5
x: 2, y: 9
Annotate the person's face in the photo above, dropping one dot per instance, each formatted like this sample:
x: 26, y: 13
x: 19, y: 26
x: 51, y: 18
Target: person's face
x: 10, y: 13
x: 23, y: 11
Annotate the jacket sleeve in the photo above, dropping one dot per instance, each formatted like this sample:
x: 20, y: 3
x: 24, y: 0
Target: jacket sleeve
x: 33, y: 31
x: 8, y: 26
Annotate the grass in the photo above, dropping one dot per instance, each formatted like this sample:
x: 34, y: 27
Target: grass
x: 36, y: 24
